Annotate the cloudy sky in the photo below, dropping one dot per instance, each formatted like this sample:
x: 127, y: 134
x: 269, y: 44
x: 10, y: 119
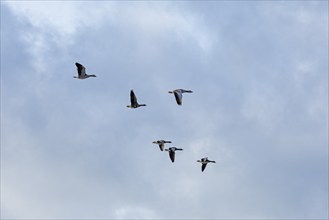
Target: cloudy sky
x: 71, y: 149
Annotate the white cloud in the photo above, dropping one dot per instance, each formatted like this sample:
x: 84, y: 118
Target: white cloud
x: 145, y: 19
x: 63, y: 19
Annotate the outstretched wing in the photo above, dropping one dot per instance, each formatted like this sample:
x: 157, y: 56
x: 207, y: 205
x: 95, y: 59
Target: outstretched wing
x: 161, y: 145
x: 203, y: 166
x: 178, y: 97
x: 81, y: 69
x: 172, y: 155
x: 133, y: 98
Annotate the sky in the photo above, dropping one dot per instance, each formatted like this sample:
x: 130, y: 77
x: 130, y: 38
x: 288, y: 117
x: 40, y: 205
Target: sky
x: 71, y: 149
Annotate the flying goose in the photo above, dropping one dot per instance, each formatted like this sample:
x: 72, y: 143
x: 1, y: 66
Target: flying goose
x: 133, y: 101
x: 204, y: 162
x: 179, y: 94
x: 171, y: 151
x: 161, y: 143
x: 82, y: 72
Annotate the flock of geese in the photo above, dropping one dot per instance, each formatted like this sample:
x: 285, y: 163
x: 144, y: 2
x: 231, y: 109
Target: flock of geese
x: 178, y: 93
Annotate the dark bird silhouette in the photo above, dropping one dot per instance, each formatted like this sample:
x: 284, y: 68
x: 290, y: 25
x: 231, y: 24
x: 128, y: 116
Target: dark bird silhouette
x: 204, y: 161
x: 82, y: 72
x: 133, y: 101
x: 171, y: 151
x: 179, y: 95
x: 161, y: 143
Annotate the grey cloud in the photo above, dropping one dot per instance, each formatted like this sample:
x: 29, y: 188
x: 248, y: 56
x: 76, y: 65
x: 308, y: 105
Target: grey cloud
x: 71, y: 149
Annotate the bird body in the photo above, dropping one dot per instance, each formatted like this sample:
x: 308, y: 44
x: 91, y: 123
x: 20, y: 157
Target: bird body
x: 179, y: 94
x: 133, y: 101
x: 171, y: 151
x: 204, y: 161
x: 82, y: 72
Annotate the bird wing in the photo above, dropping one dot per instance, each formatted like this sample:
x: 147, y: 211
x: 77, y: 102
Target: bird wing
x: 172, y: 155
x: 178, y: 96
x: 203, y: 166
x: 161, y: 145
x: 81, y: 69
x: 133, y: 98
